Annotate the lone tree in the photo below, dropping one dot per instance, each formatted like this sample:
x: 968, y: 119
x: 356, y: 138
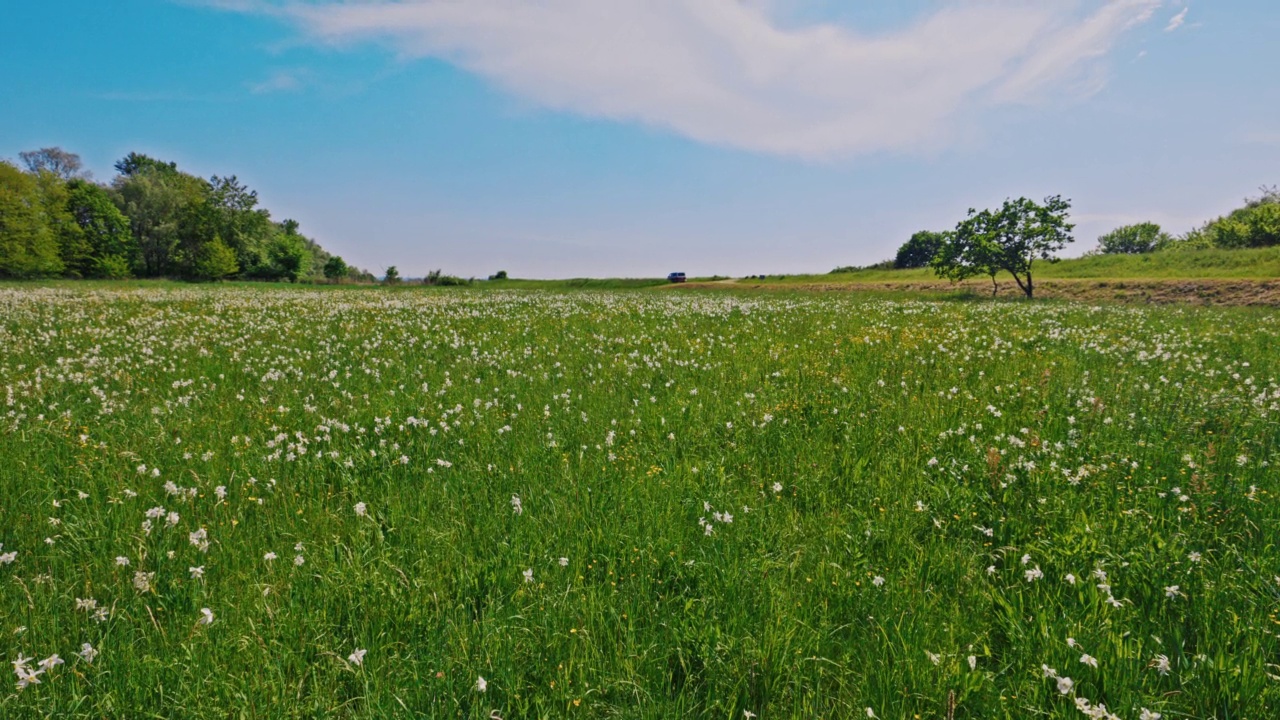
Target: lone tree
x: 1133, y: 239
x: 1009, y: 239
x: 392, y: 276
x: 920, y: 250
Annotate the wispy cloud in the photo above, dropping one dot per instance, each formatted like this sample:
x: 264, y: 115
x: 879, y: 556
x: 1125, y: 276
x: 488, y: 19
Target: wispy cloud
x: 726, y: 72
x: 280, y: 81
x: 1178, y: 20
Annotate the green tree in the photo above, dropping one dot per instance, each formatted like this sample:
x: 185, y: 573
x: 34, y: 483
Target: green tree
x: 1009, y: 239
x: 920, y: 250
x: 969, y: 254
x: 289, y: 257
x: 153, y: 204
x: 392, y: 276
x: 214, y: 261
x: 28, y: 247
x: 135, y: 163
x: 114, y: 252
x: 335, y: 269
x: 73, y: 249
x: 1133, y: 239
x: 248, y: 230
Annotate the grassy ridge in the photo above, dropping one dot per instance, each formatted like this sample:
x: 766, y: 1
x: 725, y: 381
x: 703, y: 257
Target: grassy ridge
x: 1186, y: 264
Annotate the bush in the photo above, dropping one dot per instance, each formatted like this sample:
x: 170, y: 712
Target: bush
x: 920, y: 250
x: 215, y: 261
x: 1255, y: 225
x: 335, y: 269
x: 112, y: 267
x: 1133, y: 239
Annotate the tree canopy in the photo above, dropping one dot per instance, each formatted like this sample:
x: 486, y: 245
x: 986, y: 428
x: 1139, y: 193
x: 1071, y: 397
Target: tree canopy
x: 1133, y: 239
x: 1010, y: 239
x: 920, y: 250
x: 151, y: 220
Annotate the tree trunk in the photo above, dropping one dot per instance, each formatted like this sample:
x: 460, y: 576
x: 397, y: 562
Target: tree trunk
x: 1027, y: 286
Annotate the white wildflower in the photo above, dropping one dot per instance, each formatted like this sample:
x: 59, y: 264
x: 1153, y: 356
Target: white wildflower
x: 142, y: 581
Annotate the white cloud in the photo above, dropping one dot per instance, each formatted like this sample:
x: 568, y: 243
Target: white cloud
x: 1176, y: 21
x: 726, y: 72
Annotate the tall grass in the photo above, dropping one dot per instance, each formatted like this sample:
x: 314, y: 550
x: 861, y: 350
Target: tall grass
x: 614, y: 504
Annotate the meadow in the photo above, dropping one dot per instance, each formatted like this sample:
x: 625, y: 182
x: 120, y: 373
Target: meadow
x: 234, y: 502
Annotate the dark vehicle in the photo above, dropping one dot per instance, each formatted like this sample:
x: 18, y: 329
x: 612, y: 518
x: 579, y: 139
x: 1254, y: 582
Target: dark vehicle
x: 676, y: 278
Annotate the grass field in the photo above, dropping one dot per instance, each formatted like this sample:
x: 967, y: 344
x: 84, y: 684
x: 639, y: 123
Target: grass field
x: 1259, y: 263
x: 261, y: 503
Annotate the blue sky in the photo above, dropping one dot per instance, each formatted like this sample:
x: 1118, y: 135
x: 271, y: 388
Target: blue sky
x: 635, y: 137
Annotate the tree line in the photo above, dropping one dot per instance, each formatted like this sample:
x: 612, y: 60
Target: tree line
x: 151, y: 220
x: 1013, y: 237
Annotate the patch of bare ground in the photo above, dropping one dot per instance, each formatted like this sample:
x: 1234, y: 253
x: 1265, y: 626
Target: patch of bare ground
x: 1252, y: 292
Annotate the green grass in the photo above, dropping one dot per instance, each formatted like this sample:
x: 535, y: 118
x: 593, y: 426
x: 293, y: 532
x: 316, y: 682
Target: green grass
x: 947, y: 448
x: 1259, y: 263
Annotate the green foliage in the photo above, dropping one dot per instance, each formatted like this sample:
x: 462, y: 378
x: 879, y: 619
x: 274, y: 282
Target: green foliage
x: 28, y: 246
x: 135, y: 163
x: 1255, y: 225
x: 248, y: 231
x: 113, y: 251
x: 73, y: 247
x: 155, y: 207
x: 391, y: 276
x: 153, y: 221
x: 1134, y: 239
x: 335, y: 269
x: 1010, y: 239
x: 289, y: 257
x: 500, y: 275
x: 844, y: 269
x: 437, y: 277
x: 214, y: 260
x: 111, y: 267
x: 920, y: 250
